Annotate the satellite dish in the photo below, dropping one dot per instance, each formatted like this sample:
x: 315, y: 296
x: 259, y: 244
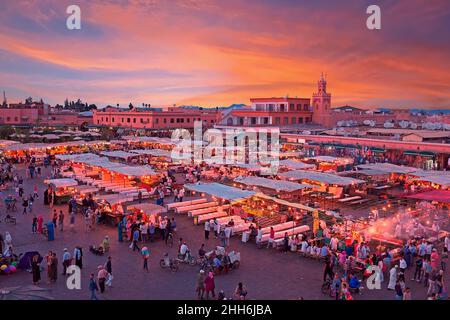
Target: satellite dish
x: 403, y: 124
x: 388, y: 124
x: 367, y: 122
x: 413, y: 125
x: 372, y: 123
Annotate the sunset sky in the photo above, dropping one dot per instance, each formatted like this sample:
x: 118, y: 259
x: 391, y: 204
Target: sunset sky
x: 214, y: 53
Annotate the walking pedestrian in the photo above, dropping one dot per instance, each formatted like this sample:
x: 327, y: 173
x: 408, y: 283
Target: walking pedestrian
x: 55, y: 218
x: 66, y: 261
x: 93, y: 287
x: 108, y: 266
x: 54, y: 267
x: 78, y: 256
x: 25, y: 205
x: 200, y: 289
x: 207, y: 229
x: 34, y: 224
x: 145, y: 255
x: 72, y: 221
x: 61, y: 220
x: 210, y: 285
x: 36, y: 270
x: 135, y: 240
x: 101, y: 278
x: 228, y: 232
x: 40, y: 222
x: 271, y: 238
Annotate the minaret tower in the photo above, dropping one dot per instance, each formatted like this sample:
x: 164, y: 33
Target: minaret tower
x: 5, y: 102
x: 321, y: 103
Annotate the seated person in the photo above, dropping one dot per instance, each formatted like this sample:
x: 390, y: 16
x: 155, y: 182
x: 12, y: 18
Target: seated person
x: 201, y: 251
x: 304, y: 246
x: 183, y: 249
x: 105, y: 244
x: 217, y: 264
x: 313, y: 249
x: 318, y: 251
x: 354, y: 283
x: 231, y: 223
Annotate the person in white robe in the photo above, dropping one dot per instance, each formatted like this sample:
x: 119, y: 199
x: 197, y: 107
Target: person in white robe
x: 392, y: 277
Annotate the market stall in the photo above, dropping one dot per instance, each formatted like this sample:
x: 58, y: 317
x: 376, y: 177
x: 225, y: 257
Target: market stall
x: 285, y: 189
x: 111, y: 207
x: 62, y: 189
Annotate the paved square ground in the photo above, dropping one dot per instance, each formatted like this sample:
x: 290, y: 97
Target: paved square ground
x: 268, y: 274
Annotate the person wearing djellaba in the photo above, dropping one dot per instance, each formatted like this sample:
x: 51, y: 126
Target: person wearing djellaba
x: 119, y: 230
x: 392, y: 278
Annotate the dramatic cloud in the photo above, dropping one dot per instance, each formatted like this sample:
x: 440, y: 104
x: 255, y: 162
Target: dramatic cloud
x: 211, y: 52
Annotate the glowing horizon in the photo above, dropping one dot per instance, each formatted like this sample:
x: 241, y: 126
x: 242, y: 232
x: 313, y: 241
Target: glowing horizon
x: 211, y: 53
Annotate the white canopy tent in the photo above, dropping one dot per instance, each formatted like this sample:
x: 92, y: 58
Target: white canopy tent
x: 220, y: 191
x: 119, y: 154
x: 388, y: 167
x: 153, y: 152
x: 295, y: 165
x: 140, y: 171
x: 61, y: 183
x: 148, y: 208
x: 114, y: 199
x: 442, y: 180
x: 320, y: 177
x: 83, y: 189
x: 278, y: 185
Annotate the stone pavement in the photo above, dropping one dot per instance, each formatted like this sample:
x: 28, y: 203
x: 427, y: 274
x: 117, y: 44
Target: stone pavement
x: 268, y: 274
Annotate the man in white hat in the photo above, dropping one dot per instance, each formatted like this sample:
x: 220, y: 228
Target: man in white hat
x: 392, y: 278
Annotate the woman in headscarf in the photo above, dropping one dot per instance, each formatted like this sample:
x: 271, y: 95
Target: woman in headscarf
x: 40, y: 222
x: 36, y: 271
x: 392, y: 278
x: 210, y: 285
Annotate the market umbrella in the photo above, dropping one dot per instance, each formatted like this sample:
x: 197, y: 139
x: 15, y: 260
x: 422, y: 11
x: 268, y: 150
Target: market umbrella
x: 25, y: 293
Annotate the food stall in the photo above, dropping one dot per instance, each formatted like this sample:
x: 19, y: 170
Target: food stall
x: 62, y: 188
x: 285, y: 189
x: 145, y: 212
x: 158, y: 157
x: 324, y: 182
x: 111, y: 207
x: 329, y: 163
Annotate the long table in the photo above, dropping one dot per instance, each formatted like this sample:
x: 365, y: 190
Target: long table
x: 291, y: 232
x: 195, y: 206
x: 349, y: 199
x: 205, y: 217
x: 197, y: 212
x: 185, y: 203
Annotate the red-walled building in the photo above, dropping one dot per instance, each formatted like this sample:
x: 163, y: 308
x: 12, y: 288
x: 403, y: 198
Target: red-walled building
x: 283, y: 111
x: 40, y: 114
x: 171, y: 118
